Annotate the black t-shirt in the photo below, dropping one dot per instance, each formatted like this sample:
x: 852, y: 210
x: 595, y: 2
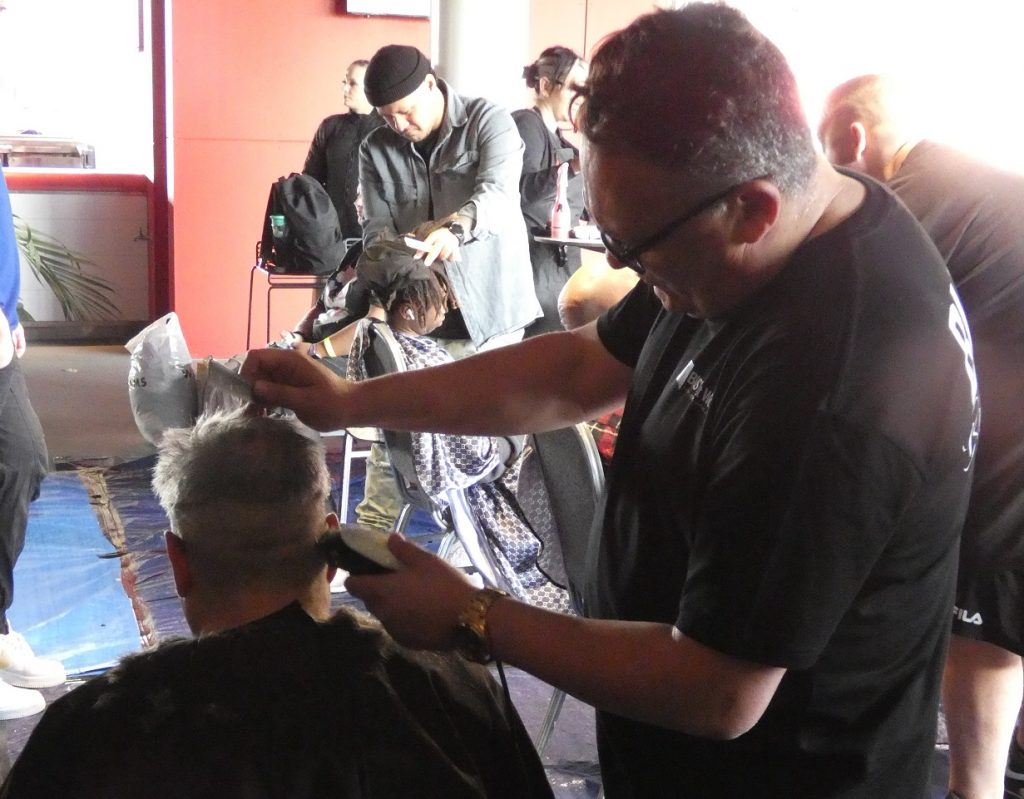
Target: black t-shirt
x: 283, y: 707
x: 975, y: 215
x: 787, y: 488
x: 333, y: 159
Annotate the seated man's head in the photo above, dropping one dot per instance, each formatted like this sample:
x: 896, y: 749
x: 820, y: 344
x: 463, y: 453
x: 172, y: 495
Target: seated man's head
x: 697, y: 138
x: 401, y: 85
x: 246, y: 498
x: 415, y: 297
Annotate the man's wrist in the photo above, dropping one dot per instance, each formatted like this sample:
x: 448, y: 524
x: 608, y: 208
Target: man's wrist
x: 471, y: 635
x: 457, y: 229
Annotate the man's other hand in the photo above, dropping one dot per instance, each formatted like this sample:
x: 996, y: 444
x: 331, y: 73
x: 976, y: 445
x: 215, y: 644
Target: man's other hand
x: 7, y: 346
x: 20, y: 345
x: 289, y: 379
x: 442, y: 244
x: 419, y: 604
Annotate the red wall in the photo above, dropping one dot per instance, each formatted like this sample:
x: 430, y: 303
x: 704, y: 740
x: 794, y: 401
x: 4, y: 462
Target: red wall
x: 250, y: 81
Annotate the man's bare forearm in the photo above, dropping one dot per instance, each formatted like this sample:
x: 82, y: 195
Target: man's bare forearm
x: 684, y: 685
x: 540, y: 384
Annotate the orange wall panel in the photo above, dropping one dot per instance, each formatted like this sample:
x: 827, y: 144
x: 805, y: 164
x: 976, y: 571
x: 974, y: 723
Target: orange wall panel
x: 251, y: 80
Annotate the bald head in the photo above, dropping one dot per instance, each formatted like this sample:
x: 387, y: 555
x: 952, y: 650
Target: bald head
x: 865, y: 122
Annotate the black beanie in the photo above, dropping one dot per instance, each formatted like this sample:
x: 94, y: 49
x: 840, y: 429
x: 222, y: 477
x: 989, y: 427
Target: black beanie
x: 394, y: 72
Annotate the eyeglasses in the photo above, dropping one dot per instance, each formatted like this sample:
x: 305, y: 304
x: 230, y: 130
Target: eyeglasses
x: 629, y: 255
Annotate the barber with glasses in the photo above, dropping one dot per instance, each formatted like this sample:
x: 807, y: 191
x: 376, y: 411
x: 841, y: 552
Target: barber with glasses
x: 771, y: 571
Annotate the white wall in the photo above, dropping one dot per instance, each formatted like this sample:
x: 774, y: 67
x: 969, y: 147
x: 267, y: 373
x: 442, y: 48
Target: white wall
x: 108, y: 228
x: 76, y: 69
x: 966, y: 60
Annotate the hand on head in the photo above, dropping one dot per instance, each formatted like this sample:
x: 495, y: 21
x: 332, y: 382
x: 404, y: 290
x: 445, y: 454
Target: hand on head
x: 419, y: 605
x: 444, y: 245
x: 285, y: 378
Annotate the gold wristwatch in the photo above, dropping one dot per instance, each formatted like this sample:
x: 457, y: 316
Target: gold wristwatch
x: 470, y: 636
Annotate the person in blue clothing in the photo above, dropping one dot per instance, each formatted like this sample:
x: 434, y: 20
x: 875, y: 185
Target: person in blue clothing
x: 23, y: 465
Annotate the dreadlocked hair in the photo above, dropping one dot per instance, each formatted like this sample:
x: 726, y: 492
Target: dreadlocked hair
x: 429, y: 293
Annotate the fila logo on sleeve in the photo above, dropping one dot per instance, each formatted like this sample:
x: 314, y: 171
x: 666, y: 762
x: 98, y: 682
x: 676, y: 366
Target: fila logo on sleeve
x: 964, y: 615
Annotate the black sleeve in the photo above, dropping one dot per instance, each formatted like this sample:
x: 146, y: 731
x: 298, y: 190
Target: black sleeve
x: 540, y: 174
x: 623, y: 328
x: 316, y: 158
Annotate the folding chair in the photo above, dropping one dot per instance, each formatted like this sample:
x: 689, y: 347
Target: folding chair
x: 560, y: 481
x: 276, y: 281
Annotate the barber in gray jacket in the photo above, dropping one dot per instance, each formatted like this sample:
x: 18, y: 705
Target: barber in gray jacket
x: 445, y: 169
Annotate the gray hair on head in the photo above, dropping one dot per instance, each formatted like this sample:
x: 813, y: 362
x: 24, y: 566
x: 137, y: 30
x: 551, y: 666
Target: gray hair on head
x: 238, y: 457
x: 247, y: 494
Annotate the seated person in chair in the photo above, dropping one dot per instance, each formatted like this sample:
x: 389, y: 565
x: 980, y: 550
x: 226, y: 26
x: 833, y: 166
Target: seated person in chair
x: 275, y: 696
x: 415, y: 299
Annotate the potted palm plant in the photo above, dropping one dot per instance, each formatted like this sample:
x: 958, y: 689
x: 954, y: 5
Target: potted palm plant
x: 82, y: 296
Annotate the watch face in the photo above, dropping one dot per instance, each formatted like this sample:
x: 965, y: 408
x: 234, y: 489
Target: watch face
x: 457, y: 230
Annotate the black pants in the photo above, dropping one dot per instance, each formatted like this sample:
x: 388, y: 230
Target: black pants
x: 23, y: 465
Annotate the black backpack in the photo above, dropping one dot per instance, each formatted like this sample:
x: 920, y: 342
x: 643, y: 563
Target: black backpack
x: 313, y: 243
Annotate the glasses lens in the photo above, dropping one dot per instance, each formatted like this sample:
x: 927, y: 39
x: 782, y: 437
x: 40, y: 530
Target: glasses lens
x: 613, y: 246
x: 620, y: 252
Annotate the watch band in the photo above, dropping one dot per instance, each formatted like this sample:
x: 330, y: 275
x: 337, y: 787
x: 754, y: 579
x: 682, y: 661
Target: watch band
x: 329, y: 348
x: 471, y: 637
x: 457, y: 230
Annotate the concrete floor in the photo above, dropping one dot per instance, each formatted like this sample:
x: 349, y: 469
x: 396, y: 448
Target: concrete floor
x: 80, y: 393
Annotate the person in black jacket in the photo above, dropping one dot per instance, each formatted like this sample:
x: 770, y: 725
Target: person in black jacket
x: 553, y: 78
x: 333, y: 157
x: 275, y: 696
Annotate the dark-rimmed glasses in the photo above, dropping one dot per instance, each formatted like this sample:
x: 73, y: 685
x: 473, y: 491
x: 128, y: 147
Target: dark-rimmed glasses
x: 629, y: 255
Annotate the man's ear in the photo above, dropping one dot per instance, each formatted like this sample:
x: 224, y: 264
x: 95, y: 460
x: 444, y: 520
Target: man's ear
x: 848, y: 144
x: 759, y: 203
x: 178, y: 557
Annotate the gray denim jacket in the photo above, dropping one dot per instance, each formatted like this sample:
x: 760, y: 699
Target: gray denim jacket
x: 474, y: 170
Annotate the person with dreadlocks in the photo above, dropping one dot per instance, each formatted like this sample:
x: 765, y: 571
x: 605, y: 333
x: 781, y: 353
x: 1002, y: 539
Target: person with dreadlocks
x: 415, y: 299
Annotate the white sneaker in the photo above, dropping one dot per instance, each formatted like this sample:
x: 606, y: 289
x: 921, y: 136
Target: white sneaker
x: 16, y: 703
x: 20, y: 666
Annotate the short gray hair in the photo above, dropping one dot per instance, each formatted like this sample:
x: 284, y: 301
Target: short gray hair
x: 248, y: 496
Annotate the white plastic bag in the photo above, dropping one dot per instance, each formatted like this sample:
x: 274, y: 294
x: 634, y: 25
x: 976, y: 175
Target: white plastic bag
x: 161, y: 379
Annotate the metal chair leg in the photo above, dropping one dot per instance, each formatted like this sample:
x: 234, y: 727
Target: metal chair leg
x: 248, y: 326
x: 346, y: 478
x: 547, y: 726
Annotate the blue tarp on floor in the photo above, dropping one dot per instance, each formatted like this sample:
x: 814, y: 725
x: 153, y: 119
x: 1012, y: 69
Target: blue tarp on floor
x: 68, y: 601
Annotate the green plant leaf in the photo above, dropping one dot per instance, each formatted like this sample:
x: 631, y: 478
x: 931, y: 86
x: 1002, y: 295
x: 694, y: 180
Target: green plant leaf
x: 81, y: 296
